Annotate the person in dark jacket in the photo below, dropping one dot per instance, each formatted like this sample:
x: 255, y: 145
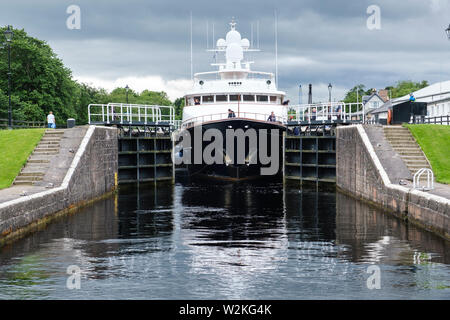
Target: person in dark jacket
x: 272, y: 117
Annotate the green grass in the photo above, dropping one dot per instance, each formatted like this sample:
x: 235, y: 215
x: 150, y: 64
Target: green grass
x: 15, y: 147
x: 434, y: 139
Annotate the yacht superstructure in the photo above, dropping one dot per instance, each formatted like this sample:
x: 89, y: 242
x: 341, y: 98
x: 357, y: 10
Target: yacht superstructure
x: 230, y: 98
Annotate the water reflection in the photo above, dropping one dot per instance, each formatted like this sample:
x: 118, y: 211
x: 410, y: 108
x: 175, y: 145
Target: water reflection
x: 199, y: 240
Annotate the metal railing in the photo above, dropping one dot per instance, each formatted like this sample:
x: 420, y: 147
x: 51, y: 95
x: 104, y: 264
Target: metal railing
x: 430, y: 179
x: 327, y: 112
x: 222, y: 116
x: 444, y: 120
x: 22, y: 124
x: 121, y: 113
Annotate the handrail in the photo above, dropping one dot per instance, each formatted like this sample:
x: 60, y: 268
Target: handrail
x: 327, y: 111
x: 221, y: 116
x: 130, y: 113
x: 430, y: 179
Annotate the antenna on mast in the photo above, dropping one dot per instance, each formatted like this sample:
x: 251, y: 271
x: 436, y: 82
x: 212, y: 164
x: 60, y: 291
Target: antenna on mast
x: 276, y: 48
x: 213, y: 41
x: 257, y: 34
x: 207, y: 34
x: 192, y: 69
x: 251, y: 34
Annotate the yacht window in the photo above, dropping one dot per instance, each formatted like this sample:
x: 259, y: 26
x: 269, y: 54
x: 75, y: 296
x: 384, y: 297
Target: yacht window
x: 196, y: 100
x: 234, y: 97
x: 273, y: 99
x: 208, y: 99
x: 221, y: 98
x: 249, y: 97
x: 262, y: 98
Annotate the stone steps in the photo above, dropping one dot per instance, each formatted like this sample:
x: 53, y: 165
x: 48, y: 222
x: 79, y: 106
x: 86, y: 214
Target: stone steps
x: 41, y: 153
x: 404, y: 143
x: 38, y: 163
x: 45, y: 149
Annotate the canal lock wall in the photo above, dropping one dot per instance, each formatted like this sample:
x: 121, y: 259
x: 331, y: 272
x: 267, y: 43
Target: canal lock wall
x: 361, y: 174
x: 91, y: 175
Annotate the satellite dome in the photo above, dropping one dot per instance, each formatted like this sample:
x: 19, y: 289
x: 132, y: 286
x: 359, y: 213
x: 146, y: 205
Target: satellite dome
x: 245, y: 43
x: 221, y: 43
x: 234, y: 53
x: 233, y: 37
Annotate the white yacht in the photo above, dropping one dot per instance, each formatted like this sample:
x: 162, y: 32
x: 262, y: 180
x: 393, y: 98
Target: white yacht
x: 233, y: 97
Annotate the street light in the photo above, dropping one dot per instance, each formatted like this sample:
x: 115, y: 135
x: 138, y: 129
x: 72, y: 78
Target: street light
x: 9, y: 35
x: 447, y: 31
x: 299, y: 94
x: 127, y: 87
x: 329, y: 91
x: 329, y: 100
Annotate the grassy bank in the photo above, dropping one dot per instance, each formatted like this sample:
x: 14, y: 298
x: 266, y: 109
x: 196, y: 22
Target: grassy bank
x: 15, y: 147
x: 434, y: 140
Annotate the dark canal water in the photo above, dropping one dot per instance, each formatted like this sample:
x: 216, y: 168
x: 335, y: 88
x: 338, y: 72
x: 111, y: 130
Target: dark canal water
x: 208, y: 241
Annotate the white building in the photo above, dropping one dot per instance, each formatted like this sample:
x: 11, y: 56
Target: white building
x: 372, y: 102
x: 437, y: 97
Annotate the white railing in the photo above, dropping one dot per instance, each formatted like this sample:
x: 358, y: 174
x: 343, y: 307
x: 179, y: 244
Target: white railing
x: 177, y: 124
x: 327, y: 111
x: 430, y: 179
x: 222, y: 116
x: 115, y: 113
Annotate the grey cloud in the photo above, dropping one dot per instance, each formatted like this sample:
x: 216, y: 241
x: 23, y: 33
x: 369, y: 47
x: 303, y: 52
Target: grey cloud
x: 319, y: 41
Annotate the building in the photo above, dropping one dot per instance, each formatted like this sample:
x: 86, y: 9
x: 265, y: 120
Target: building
x: 374, y: 101
x: 437, y: 97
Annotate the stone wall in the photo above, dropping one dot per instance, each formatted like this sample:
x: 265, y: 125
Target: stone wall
x: 360, y: 173
x: 91, y: 175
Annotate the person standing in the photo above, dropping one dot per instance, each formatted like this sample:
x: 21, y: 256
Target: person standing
x: 51, y: 120
x: 272, y: 117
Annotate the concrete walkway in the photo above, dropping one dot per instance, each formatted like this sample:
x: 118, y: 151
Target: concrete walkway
x: 56, y: 165
x: 398, y: 171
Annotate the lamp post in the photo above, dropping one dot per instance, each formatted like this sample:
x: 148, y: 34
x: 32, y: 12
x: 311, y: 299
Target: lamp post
x: 127, y: 87
x: 9, y: 35
x: 329, y: 100
x: 299, y: 94
x: 329, y: 92
x: 447, y: 31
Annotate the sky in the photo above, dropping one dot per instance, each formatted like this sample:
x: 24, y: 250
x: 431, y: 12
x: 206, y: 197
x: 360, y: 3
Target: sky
x: 146, y: 44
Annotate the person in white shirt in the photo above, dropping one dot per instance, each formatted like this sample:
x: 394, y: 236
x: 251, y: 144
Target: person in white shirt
x: 51, y: 120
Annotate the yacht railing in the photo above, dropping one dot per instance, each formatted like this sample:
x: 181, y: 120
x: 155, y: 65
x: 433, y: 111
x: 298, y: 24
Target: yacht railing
x: 327, y: 112
x: 121, y: 113
x: 222, y: 116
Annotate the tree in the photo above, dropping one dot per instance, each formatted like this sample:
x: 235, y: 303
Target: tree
x: 358, y: 90
x: 406, y: 87
x: 88, y: 95
x: 178, y: 105
x: 39, y: 83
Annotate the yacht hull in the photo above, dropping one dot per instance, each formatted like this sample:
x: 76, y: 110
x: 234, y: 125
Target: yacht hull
x: 235, y: 167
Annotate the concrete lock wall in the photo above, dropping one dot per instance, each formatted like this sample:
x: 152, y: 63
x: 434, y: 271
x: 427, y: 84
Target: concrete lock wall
x: 93, y: 173
x: 360, y: 174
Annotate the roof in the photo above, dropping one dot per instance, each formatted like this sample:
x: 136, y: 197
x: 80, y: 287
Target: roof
x: 384, y: 108
x: 434, y: 92
x: 430, y: 93
x: 366, y: 99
